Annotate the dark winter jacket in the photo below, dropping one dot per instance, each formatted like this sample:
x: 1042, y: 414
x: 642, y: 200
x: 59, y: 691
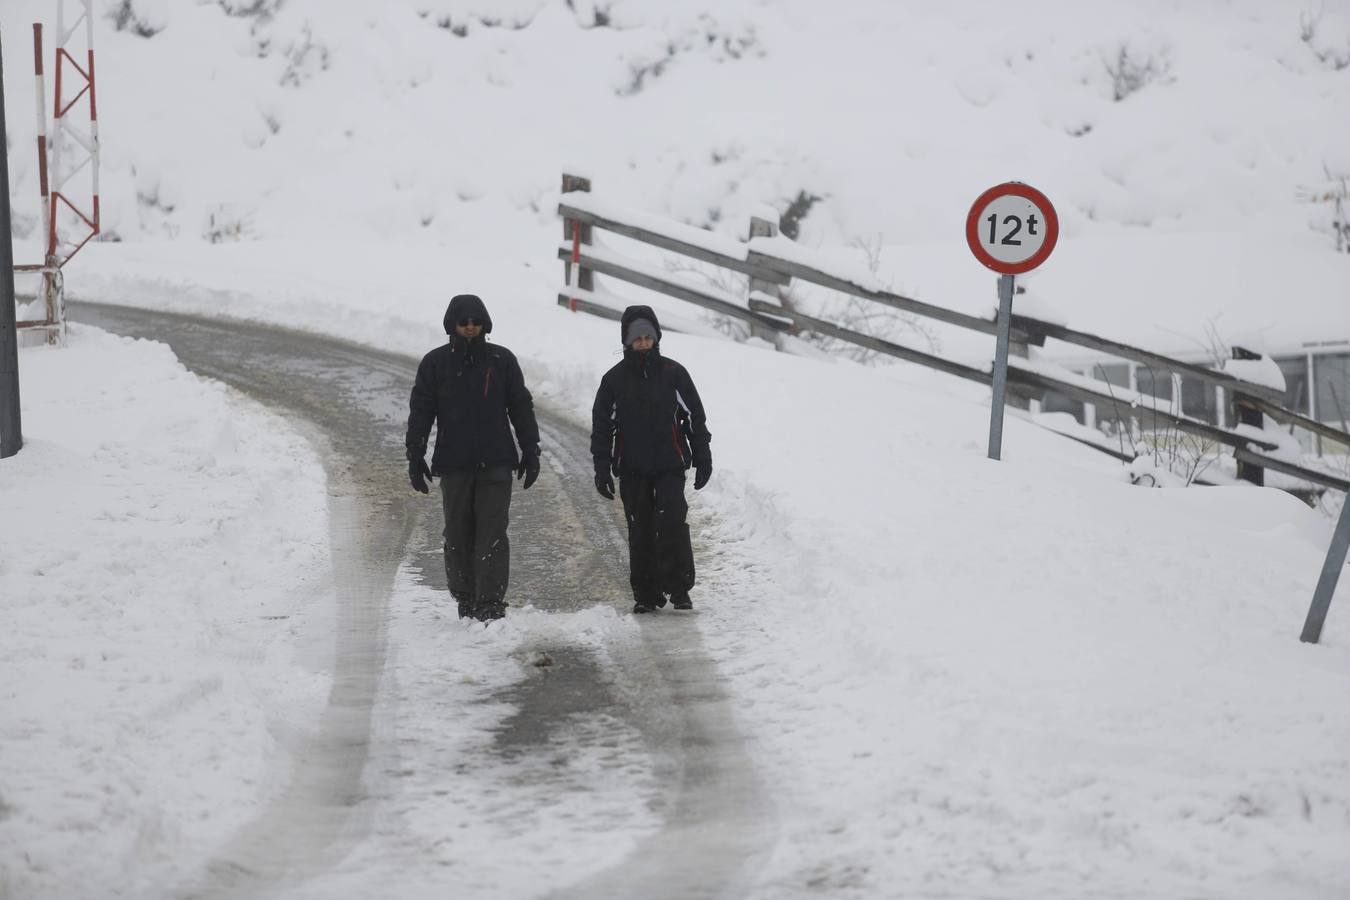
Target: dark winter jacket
x: 647, y: 416
x: 474, y: 392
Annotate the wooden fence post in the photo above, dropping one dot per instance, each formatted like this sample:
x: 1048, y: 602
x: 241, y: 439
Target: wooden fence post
x: 585, y: 277
x: 1248, y: 413
x: 761, y: 227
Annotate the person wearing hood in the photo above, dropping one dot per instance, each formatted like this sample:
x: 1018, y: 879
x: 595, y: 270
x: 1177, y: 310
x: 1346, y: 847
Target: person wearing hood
x: 474, y: 392
x: 648, y: 427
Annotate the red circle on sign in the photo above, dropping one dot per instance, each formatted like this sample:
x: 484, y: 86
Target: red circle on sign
x: 1031, y: 195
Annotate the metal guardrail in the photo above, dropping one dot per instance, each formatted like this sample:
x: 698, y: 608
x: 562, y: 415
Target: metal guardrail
x: 1038, y: 330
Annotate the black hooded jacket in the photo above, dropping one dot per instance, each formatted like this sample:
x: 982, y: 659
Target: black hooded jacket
x: 647, y: 416
x: 471, y: 389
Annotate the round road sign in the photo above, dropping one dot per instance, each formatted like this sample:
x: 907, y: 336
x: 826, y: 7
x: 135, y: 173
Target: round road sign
x: 1012, y: 228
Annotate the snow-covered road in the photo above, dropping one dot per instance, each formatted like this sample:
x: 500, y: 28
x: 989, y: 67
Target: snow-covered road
x: 568, y: 750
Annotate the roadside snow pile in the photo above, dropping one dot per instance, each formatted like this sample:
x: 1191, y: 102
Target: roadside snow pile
x: 148, y: 611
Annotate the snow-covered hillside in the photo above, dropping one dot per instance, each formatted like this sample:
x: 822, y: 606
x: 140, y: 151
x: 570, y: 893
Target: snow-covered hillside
x: 960, y: 678
x: 1180, y: 142
x: 411, y: 118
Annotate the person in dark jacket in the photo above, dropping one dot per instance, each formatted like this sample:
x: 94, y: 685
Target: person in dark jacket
x: 648, y: 427
x: 475, y: 393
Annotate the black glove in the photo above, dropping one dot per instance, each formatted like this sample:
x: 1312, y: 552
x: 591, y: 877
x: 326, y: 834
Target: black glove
x: 702, y: 472
x: 419, y: 473
x: 604, y: 483
x: 528, y: 468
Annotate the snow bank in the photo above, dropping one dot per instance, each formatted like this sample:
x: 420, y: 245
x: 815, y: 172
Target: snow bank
x: 157, y: 550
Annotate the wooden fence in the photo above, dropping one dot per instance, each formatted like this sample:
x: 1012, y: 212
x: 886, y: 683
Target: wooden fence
x: 768, y: 269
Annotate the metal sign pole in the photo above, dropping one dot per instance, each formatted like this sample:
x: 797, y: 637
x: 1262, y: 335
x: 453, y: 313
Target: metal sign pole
x: 1011, y: 228
x: 11, y: 430
x: 1005, y: 296
x: 1331, y: 572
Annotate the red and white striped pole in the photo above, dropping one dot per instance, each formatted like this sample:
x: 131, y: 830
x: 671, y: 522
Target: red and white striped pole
x: 574, y: 274
x: 94, y: 152
x: 48, y: 234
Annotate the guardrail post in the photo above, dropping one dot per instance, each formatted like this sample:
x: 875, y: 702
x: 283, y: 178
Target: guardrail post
x: 1018, y: 346
x: 11, y: 430
x: 571, y: 227
x: 1331, y: 573
x: 1247, y: 413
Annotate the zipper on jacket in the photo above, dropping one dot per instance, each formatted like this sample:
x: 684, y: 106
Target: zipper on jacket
x: 675, y: 442
x: 487, y: 380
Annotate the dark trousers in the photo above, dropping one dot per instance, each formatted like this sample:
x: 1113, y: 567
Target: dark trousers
x: 477, y: 507
x: 660, y: 557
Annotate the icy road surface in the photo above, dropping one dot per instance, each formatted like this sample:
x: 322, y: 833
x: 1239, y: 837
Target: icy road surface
x: 570, y: 751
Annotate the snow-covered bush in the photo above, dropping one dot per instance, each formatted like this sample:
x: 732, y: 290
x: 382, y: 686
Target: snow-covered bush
x: 261, y: 10
x: 135, y: 17
x: 1132, y: 69
x: 706, y: 36
x: 1309, y: 23
x: 305, y: 58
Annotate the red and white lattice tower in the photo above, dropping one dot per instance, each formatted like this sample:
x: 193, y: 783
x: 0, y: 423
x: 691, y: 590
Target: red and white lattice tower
x: 70, y: 216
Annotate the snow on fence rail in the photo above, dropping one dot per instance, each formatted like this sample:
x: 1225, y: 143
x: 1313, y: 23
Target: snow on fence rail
x: 772, y: 261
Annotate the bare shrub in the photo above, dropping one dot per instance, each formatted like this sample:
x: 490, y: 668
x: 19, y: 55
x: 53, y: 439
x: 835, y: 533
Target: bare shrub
x: 863, y: 316
x: 225, y: 224
x: 1335, y: 192
x: 708, y: 38
x: 262, y: 10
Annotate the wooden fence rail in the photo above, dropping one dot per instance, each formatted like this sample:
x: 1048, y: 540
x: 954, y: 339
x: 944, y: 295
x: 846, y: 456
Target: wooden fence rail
x: 886, y: 298
x: 670, y: 285
x: 672, y: 244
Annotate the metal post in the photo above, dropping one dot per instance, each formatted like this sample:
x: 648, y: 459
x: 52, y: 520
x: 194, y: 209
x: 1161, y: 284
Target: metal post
x: 1331, y: 572
x: 1020, y: 348
x: 11, y: 426
x: 1005, y: 296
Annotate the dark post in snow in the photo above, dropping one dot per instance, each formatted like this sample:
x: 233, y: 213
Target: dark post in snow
x: 585, y: 277
x: 1247, y: 413
x: 11, y: 427
x: 1005, y: 296
x: 1331, y: 572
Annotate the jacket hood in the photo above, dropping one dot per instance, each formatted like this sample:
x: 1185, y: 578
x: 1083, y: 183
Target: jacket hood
x: 466, y: 306
x: 634, y: 313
